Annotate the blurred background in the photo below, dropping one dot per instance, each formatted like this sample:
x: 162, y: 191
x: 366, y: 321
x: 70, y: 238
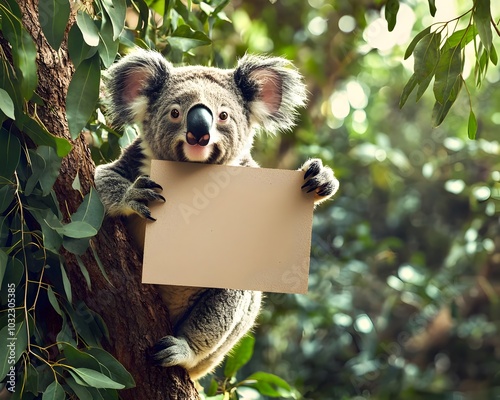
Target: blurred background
x: 404, y: 284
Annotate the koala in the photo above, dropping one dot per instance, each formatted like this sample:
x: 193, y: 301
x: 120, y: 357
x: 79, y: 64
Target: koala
x: 204, y: 115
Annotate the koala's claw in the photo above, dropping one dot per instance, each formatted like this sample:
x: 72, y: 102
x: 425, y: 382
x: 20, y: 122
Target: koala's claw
x: 319, y: 179
x: 170, y: 351
x: 142, y: 191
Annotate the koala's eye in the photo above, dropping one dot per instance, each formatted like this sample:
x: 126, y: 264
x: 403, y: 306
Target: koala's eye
x: 223, y: 116
x: 174, y: 113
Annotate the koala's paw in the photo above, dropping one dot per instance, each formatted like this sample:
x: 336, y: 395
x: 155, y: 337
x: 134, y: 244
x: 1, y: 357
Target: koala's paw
x: 320, y: 179
x: 140, y: 193
x: 170, y: 351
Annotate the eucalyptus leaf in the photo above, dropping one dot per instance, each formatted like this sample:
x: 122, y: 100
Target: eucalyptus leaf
x: 81, y: 392
x: 95, y: 379
x: 84, y: 271
x: 77, y: 230
x: 265, y: 389
x: 83, y: 320
x: 53, y: 16
x: 43, y: 137
x: 87, y: 28
x: 410, y: 85
x: 12, y: 86
x: 76, y: 246
x: 426, y: 56
x: 6, y: 197
x: 23, y: 51
x: 17, y: 340
x: 52, y: 167
x: 54, y: 392
x: 77, y: 47
x: 65, y: 334
x: 116, y: 10
x: 13, y: 275
x: 4, y: 259
x: 269, y: 378
x: 482, y: 20
x: 31, y: 379
x: 472, y: 126
x: 91, y: 211
x: 184, y: 38
x: 53, y: 300
x: 108, y: 45
x: 77, y: 358
x: 462, y: 37
x: 448, y: 70
x: 493, y: 56
x: 49, y: 222
x: 99, y: 264
x: 112, y: 367
x: 432, y: 7
x: 83, y: 92
x: 440, y: 110
x: 241, y: 354
x: 10, y: 153
x: 66, y: 283
x: 391, y: 13
x: 212, y: 388
x: 76, y: 182
x: 6, y: 104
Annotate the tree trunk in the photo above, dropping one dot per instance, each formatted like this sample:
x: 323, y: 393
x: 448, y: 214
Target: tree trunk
x: 133, y: 312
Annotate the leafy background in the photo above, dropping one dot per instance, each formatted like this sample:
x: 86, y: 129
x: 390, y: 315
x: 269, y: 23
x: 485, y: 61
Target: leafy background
x: 403, y: 295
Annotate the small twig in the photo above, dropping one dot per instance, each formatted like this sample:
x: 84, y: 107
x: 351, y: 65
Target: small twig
x: 495, y: 26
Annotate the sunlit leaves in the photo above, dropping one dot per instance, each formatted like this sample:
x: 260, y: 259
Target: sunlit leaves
x: 416, y: 40
x: 444, y: 61
x: 448, y: 82
x: 482, y: 16
x: 425, y: 48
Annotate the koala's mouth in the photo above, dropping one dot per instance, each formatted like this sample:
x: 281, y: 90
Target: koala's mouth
x: 196, y: 153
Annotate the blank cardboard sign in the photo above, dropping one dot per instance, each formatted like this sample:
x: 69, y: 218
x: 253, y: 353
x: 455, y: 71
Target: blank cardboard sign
x: 229, y: 227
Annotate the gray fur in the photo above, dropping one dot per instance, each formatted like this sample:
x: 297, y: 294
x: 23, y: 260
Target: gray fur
x: 260, y: 93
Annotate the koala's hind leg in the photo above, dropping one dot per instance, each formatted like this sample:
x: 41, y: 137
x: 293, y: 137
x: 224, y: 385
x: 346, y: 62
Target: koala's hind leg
x: 218, y: 320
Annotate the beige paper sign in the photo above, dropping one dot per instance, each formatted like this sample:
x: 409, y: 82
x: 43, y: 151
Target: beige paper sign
x: 229, y: 227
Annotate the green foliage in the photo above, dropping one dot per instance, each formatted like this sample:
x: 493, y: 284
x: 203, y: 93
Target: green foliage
x: 231, y: 388
x: 445, y: 62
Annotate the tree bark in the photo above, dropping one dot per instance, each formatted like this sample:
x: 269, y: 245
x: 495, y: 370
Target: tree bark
x: 133, y: 312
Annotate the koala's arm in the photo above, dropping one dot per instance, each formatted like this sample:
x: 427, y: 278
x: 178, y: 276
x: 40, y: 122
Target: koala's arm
x: 320, y: 179
x: 122, y: 188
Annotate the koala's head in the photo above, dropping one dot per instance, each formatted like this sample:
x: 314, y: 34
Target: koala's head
x: 203, y: 114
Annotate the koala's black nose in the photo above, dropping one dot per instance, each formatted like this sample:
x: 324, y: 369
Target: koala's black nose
x: 199, y: 122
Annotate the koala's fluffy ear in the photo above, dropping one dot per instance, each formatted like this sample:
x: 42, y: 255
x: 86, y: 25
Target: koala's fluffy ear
x: 134, y: 82
x: 273, y: 90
